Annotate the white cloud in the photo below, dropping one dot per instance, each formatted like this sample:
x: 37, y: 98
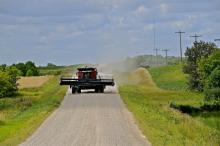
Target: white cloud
x: 141, y: 11
x: 185, y: 23
x: 164, y: 8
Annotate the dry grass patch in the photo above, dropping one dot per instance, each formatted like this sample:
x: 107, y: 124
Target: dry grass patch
x: 142, y: 76
x: 32, y: 82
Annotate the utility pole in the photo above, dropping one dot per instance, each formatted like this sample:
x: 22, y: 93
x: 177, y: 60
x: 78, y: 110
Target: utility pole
x: 156, y: 50
x: 166, y: 50
x: 195, y: 36
x: 180, y: 35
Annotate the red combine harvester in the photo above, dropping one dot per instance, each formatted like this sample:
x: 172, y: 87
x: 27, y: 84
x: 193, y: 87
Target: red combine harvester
x: 87, y: 78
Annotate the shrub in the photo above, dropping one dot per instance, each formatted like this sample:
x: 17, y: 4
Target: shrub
x: 8, y: 79
x: 210, y: 107
x: 212, y: 96
x: 5, y: 85
x: 29, y: 73
x: 214, y: 78
x: 184, y: 108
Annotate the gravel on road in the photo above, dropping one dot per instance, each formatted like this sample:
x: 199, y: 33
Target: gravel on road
x: 89, y: 119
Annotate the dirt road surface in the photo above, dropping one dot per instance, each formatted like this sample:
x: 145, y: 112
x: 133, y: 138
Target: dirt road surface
x: 89, y: 119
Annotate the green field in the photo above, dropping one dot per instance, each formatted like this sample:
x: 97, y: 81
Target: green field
x: 161, y: 124
x: 57, y: 70
x: 169, y: 77
x: 21, y: 115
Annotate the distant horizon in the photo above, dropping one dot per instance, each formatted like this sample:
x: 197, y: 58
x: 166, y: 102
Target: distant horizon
x: 118, y: 60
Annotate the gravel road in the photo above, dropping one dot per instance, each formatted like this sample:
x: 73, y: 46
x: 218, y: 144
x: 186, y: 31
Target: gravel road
x: 89, y: 119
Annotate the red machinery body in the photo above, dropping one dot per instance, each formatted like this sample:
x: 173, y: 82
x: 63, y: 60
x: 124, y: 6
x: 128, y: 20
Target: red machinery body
x: 87, y: 78
x: 87, y: 74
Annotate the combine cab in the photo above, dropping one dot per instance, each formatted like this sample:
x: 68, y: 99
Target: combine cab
x: 87, y: 78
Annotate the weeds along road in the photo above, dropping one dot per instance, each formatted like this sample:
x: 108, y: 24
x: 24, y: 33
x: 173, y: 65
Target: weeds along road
x: 89, y: 119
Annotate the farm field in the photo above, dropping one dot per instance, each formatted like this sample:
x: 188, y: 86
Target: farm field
x: 169, y: 77
x: 150, y: 102
x: 32, y: 82
x: 58, y: 70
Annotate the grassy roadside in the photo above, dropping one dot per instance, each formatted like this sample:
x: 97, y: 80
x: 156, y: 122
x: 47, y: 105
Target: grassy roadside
x: 21, y: 115
x: 161, y: 124
x: 174, y: 79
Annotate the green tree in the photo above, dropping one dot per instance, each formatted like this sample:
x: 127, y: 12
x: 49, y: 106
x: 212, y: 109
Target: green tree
x: 2, y: 67
x: 209, y: 70
x: 194, y: 54
x: 13, y: 72
x: 29, y: 73
x: 5, y: 85
x: 51, y: 65
x: 22, y: 68
x: 31, y: 66
x: 8, y: 79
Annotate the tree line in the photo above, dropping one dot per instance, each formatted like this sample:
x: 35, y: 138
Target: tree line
x: 10, y: 74
x: 27, y: 69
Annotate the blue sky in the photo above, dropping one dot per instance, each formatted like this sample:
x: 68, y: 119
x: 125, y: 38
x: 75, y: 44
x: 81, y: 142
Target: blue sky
x: 94, y: 31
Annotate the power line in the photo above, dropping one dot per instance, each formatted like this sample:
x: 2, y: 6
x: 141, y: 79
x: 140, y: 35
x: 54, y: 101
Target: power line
x: 195, y: 36
x: 154, y: 29
x: 156, y: 50
x: 180, y: 35
x: 166, y: 50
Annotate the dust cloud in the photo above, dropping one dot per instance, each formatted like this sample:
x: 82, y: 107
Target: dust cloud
x: 119, y: 70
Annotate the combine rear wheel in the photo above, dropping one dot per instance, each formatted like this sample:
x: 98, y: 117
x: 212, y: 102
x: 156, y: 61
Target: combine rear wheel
x: 96, y: 90
x: 101, y: 89
x: 78, y: 90
x: 73, y: 90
